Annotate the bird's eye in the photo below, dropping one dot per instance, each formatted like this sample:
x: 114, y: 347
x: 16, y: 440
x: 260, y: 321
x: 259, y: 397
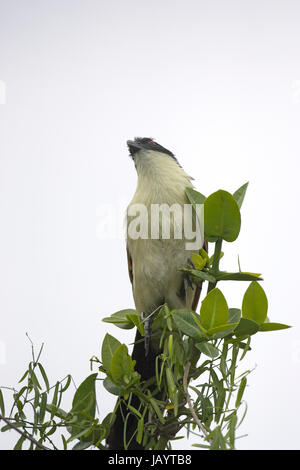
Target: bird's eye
x: 152, y: 142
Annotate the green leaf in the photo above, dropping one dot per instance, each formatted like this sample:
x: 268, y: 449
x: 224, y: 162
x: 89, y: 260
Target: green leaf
x: 120, y: 318
x: 186, y: 323
x: 255, y: 303
x: 139, y: 436
x: 233, y: 320
x: 33, y: 377
x: 234, y: 315
x: 66, y: 386
x: 246, y: 327
x: 65, y: 445
x: 231, y: 429
x: 202, y: 275
x: 214, y: 310
x: 54, y: 399
x: 208, y: 349
x: 60, y: 413
x: 225, y: 329
x: 240, y: 392
x: 240, y: 194
x: 19, y: 444
x: 7, y: 427
x: 109, y: 345
x: 135, y: 318
x: 81, y: 445
x: 203, y: 253
x: 273, y: 326
x: 84, y: 400
x: 23, y: 376
x: 155, y: 406
x: 121, y: 366
x: 194, y: 196
x: 198, y: 261
x: 222, y: 217
x: 239, y: 276
x: 111, y: 387
x: 43, y: 405
x: 217, y: 439
x: 44, y: 375
x: 2, y: 407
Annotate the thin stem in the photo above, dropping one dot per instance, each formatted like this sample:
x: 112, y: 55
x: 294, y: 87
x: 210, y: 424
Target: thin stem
x: 189, y: 401
x: 216, y: 261
x: 34, y: 441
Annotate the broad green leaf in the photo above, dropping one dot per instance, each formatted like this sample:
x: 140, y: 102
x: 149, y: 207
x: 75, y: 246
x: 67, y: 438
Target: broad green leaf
x: 120, y: 318
x: 186, y: 323
x: 135, y: 318
x: 121, y: 366
x: 208, y: 349
x: 85, y: 396
x: 239, y: 194
x: 198, y: 261
x: 222, y: 217
x: 246, y: 327
x: 234, y: 315
x: 194, y: 196
x: 273, y: 326
x: 81, y: 445
x: 239, y: 276
x: 255, y: 303
x: 224, y: 329
x: 109, y: 345
x: 233, y: 320
x: 214, y: 310
x: 111, y: 387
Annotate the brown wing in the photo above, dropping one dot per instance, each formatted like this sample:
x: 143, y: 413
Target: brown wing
x: 129, y: 260
x: 199, y: 287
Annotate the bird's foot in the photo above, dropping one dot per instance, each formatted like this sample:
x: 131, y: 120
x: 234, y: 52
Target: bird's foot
x: 147, y: 320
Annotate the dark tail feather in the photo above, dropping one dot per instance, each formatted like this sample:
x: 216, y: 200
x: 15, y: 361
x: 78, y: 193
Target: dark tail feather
x: 145, y: 366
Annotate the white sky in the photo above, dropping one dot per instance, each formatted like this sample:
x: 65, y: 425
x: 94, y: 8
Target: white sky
x: 216, y: 82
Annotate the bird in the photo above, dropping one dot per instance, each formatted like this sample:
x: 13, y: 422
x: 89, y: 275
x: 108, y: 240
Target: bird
x: 154, y: 262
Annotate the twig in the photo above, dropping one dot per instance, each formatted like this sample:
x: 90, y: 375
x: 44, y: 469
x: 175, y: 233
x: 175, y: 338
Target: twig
x: 34, y: 441
x: 189, y: 401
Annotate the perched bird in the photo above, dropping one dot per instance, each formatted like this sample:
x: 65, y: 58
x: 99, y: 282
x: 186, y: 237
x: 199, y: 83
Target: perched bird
x: 154, y: 262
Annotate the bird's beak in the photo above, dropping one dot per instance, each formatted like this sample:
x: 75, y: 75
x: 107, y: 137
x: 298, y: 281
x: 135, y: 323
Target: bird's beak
x: 133, y: 146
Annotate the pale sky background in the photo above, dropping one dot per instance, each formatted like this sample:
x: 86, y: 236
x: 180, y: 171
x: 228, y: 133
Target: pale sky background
x: 218, y: 83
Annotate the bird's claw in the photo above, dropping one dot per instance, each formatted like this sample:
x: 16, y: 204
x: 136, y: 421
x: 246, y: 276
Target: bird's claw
x: 147, y: 326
